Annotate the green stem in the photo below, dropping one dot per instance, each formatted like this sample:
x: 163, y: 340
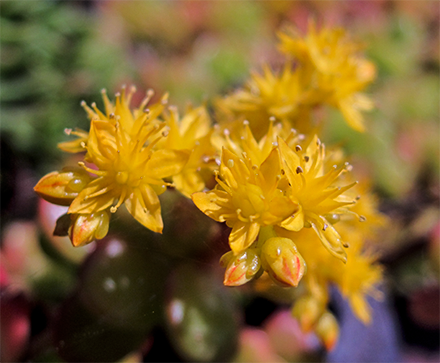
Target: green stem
x: 265, y: 233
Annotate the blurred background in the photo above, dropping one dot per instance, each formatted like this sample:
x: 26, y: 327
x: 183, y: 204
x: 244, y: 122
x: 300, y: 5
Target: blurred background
x: 55, y: 299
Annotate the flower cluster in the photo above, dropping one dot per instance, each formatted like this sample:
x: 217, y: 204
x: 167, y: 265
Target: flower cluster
x: 293, y: 205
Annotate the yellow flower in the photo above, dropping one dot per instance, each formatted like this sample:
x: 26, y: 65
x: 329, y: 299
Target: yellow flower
x: 278, y: 96
x: 246, y: 197
x: 335, y: 70
x: 192, y: 134
x: 129, y: 171
x: 128, y: 168
x: 314, y: 190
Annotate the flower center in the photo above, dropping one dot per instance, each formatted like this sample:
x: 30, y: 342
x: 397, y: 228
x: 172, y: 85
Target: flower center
x: 122, y: 177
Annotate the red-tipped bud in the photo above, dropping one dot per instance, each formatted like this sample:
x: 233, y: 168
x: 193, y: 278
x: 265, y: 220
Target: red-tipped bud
x: 240, y: 268
x: 327, y: 329
x: 85, y: 228
x: 307, y: 310
x: 282, y: 261
x: 62, y: 187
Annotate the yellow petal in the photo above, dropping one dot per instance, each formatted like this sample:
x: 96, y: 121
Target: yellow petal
x: 271, y: 171
x: 360, y: 307
x: 282, y: 208
x: 213, y: 203
x: 165, y: 163
x: 351, y: 114
x: 233, y: 169
x: 243, y: 234
x: 188, y: 183
x: 331, y: 240
x: 77, y: 145
x: 290, y: 161
x: 87, y: 202
x: 144, y: 206
x: 294, y: 223
x: 101, y: 145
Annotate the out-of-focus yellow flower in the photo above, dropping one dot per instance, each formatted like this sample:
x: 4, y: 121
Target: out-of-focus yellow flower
x: 266, y: 96
x: 335, y: 70
x: 192, y: 134
x: 315, y: 192
x: 246, y: 197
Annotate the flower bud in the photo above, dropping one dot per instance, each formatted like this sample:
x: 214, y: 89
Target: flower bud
x: 85, y: 228
x: 240, y: 268
x: 62, y: 187
x: 282, y: 261
x: 307, y: 309
x: 327, y: 330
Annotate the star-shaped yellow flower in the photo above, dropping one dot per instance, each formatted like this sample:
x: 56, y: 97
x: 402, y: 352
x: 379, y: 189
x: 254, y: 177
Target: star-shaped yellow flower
x: 315, y: 192
x: 128, y: 170
x: 268, y: 95
x: 335, y: 70
x: 247, y: 197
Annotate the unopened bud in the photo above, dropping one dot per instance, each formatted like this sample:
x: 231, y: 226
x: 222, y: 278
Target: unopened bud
x: 307, y: 310
x: 282, y: 261
x: 85, y: 228
x: 62, y: 187
x: 240, y: 268
x: 327, y: 330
